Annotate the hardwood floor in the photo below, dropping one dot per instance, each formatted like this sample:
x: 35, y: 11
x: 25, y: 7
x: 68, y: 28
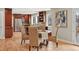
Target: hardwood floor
x: 14, y: 44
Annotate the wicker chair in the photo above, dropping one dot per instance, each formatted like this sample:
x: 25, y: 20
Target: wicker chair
x: 25, y: 35
x: 33, y: 36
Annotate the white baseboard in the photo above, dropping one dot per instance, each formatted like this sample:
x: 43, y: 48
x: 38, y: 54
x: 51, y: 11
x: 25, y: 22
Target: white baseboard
x: 2, y: 38
x: 65, y: 41
x: 68, y: 42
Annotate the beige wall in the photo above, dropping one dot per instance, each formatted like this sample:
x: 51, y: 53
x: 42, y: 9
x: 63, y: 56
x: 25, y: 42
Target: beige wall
x: 64, y: 33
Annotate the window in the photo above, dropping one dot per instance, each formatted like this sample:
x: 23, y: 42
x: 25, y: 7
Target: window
x: 34, y: 20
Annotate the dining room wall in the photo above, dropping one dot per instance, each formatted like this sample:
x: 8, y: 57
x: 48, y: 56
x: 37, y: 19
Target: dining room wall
x: 64, y: 34
x: 2, y: 24
x: 75, y: 35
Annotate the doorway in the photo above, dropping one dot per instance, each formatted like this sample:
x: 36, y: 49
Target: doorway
x: 17, y: 24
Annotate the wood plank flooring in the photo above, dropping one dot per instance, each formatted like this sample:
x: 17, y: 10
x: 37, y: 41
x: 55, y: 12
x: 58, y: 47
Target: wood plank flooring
x: 14, y: 44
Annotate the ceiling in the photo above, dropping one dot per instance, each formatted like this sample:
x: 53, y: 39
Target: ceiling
x: 28, y: 10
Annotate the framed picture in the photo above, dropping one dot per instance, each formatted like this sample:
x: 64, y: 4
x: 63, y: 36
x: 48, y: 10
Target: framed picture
x: 61, y: 18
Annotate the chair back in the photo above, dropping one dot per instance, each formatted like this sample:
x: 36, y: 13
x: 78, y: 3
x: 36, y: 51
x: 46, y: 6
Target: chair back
x: 25, y: 36
x: 33, y: 33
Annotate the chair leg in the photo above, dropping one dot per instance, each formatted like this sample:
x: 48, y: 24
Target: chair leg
x: 21, y: 42
x: 37, y: 48
x: 29, y: 48
x: 40, y: 45
x: 57, y: 44
x: 24, y: 41
x: 46, y: 43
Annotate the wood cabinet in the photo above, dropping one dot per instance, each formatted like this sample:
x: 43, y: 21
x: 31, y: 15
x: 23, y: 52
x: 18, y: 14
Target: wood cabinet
x: 8, y: 23
x: 42, y: 20
x: 42, y: 16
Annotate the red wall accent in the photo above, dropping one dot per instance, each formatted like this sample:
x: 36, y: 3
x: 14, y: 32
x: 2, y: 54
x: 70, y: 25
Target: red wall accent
x: 27, y: 17
x: 8, y: 23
